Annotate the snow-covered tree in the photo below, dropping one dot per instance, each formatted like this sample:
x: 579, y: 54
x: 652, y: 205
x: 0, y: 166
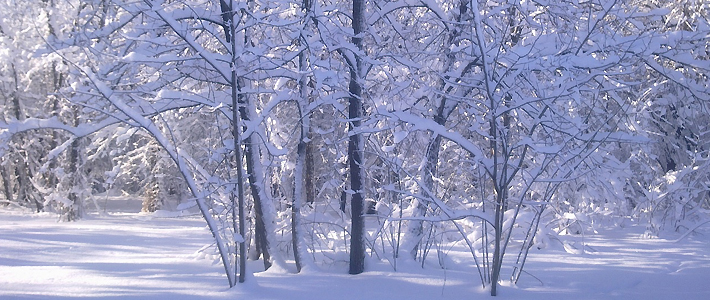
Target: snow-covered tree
x: 439, y: 121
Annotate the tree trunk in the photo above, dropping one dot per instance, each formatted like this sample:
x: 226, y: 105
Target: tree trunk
x: 497, y: 257
x: 298, y: 201
x: 310, y: 173
x: 501, y: 151
x: 251, y: 152
x: 21, y: 168
x: 355, y: 144
x: 238, y: 220
x: 302, y: 174
x: 6, y: 183
x: 443, y: 111
x: 75, y: 209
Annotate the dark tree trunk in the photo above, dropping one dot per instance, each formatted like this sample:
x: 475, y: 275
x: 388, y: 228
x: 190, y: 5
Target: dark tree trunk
x: 74, y: 211
x: 310, y: 174
x: 443, y: 111
x: 501, y: 144
x: 238, y: 219
x: 303, y: 181
x: 356, y: 146
x: 343, y: 200
x: 6, y: 183
x: 20, y: 163
x: 297, y: 197
x: 252, y: 155
x: 357, y: 246
x: 57, y: 81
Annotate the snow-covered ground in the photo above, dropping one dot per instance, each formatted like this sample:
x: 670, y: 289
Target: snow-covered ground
x: 138, y: 256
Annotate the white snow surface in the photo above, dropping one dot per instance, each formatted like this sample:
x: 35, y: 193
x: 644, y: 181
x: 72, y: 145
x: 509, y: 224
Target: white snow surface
x: 142, y: 256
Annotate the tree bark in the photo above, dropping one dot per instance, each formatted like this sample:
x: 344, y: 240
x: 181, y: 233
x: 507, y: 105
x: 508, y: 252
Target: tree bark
x: 252, y: 155
x: 6, y: 183
x: 238, y: 220
x: 302, y: 174
x: 22, y: 171
x: 297, y: 202
x: 355, y: 144
x: 75, y: 209
x: 443, y: 111
x: 310, y: 173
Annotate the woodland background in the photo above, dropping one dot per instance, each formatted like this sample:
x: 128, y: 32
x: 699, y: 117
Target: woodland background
x: 308, y: 132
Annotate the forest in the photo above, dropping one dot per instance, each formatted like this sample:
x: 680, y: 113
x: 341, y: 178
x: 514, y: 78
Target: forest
x: 306, y: 133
